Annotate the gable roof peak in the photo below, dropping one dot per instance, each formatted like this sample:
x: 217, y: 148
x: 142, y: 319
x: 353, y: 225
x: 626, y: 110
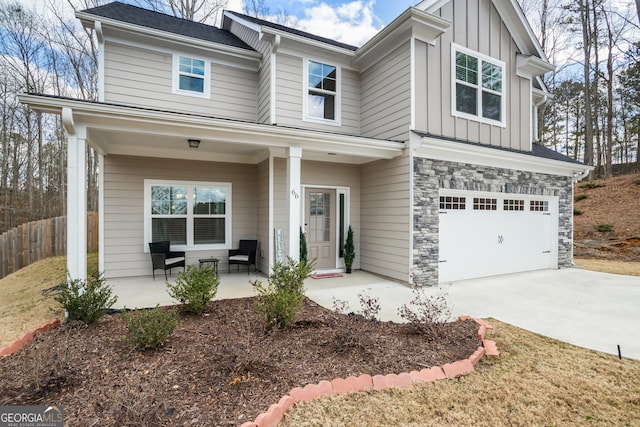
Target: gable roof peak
x: 514, y: 19
x: 141, y: 18
x: 284, y: 29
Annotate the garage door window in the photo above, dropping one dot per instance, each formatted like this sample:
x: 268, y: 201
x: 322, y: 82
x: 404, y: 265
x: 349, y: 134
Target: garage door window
x: 453, y: 203
x: 513, y: 205
x: 484, y: 204
x: 539, y: 206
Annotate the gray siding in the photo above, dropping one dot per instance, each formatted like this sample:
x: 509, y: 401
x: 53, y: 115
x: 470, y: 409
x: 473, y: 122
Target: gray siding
x: 290, y: 96
x: 251, y: 38
x: 385, y: 218
x: 143, y: 77
x: 262, y: 198
x: 386, y: 96
x: 124, y: 207
x: 478, y: 26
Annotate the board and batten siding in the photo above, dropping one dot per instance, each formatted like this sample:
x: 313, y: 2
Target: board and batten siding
x: 385, y: 218
x: 477, y: 26
x: 386, y: 96
x: 143, y: 77
x: 338, y: 175
x: 124, y: 177
x: 290, y: 96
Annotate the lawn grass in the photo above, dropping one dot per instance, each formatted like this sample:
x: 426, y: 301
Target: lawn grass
x: 609, y: 266
x: 536, y: 381
x: 22, y: 304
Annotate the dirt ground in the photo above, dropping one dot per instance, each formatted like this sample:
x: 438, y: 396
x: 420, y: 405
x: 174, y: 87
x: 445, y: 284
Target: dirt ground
x: 614, y: 202
x: 219, y: 369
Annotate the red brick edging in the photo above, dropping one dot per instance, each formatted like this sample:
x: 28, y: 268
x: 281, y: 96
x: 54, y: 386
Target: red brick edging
x: 364, y: 382
x: 16, y: 345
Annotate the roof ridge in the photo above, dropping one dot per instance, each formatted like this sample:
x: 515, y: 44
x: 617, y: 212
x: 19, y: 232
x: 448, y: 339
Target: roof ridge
x: 292, y: 30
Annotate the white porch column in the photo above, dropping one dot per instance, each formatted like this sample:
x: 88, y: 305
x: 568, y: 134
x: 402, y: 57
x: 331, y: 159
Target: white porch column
x: 295, y: 200
x: 77, y: 204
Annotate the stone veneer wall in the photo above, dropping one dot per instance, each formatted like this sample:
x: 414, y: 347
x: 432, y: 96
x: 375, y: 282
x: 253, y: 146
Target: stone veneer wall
x: 432, y: 175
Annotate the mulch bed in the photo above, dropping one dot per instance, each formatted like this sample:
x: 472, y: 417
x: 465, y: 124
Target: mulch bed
x: 218, y: 369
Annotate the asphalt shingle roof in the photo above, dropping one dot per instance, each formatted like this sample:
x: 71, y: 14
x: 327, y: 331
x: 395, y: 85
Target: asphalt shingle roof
x: 293, y: 31
x: 160, y: 21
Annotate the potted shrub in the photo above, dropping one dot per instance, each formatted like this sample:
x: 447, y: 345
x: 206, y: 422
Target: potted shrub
x: 349, y: 252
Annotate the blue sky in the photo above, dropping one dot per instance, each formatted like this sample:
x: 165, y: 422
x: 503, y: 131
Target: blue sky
x: 352, y: 22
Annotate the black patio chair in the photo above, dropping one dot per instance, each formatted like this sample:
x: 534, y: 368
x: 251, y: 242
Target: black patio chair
x: 162, y: 258
x: 244, y: 255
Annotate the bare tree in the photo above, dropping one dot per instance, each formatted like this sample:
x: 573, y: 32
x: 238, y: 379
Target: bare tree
x: 206, y: 11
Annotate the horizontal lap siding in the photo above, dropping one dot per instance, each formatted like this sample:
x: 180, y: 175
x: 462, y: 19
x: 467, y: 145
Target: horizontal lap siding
x: 251, y: 38
x: 142, y: 77
x: 124, y: 206
x: 386, y: 97
x: 478, y: 26
x: 290, y: 96
x: 262, y: 199
x: 385, y: 218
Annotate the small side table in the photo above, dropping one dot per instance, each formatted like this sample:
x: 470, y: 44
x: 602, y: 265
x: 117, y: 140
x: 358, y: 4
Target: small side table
x: 212, y: 260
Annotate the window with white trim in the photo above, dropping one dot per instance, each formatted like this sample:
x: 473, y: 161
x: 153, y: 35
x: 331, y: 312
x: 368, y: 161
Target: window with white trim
x: 321, y: 92
x: 478, y: 87
x: 194, y: 215
x: 191, y: 76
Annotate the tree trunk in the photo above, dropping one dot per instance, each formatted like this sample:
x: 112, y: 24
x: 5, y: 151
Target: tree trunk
x: 585, y: 20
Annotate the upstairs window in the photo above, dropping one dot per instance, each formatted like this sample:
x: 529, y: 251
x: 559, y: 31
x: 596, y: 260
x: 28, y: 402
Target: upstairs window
x: 478, y: 87
x: 322, y: 92
x: 191, y: 76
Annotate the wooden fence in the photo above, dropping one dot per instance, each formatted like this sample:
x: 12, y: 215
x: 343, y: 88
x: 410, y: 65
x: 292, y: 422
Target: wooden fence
x: 38, y: 240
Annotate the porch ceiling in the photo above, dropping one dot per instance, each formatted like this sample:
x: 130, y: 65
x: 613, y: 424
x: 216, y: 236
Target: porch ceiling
x: 126, y: 130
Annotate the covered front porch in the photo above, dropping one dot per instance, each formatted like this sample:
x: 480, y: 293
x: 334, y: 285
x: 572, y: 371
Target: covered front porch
x: 270, y: 171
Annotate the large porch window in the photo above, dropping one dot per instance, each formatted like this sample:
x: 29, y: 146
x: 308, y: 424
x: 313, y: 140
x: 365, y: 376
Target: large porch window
x: 194, y: 215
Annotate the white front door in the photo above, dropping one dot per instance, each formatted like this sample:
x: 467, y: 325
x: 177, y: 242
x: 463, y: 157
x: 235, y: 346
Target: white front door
x: 320, y: 226
x: 490, y: 234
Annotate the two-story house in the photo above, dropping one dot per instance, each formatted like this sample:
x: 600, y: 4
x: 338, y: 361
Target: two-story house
x: 423, y: 140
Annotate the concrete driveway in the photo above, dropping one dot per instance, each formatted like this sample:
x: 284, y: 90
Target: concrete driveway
x: 593, y: 310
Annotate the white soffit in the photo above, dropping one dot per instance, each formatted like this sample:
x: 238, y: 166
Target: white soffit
x: 439, y: 149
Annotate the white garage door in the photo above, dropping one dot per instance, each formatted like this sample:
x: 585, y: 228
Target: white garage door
x: 487, y: 234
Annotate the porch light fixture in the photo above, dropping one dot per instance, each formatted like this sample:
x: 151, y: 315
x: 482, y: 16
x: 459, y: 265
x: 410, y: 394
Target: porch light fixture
x: 193, y: 143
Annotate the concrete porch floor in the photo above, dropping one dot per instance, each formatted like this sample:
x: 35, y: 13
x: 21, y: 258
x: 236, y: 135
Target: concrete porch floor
x: 145, y: 292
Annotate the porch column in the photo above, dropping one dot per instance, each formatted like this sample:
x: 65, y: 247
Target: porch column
x: 77, y: 204
x: 295, y: 200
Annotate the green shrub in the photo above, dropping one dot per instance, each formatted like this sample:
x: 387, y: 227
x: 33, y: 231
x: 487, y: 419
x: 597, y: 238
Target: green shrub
x: 577, y: 211
x: 604, y: 228
x: 637, y: 182
x: 194, y: 288
x: 281, y: 300
x: 591, y: 185
x: 150, y: 329
x: 88, y: 300
x: 581, y: 197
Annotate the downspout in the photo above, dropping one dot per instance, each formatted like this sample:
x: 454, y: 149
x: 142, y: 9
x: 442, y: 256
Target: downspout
x: 100, y: 36
x: 537, y: 105
x: 273, y: 82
